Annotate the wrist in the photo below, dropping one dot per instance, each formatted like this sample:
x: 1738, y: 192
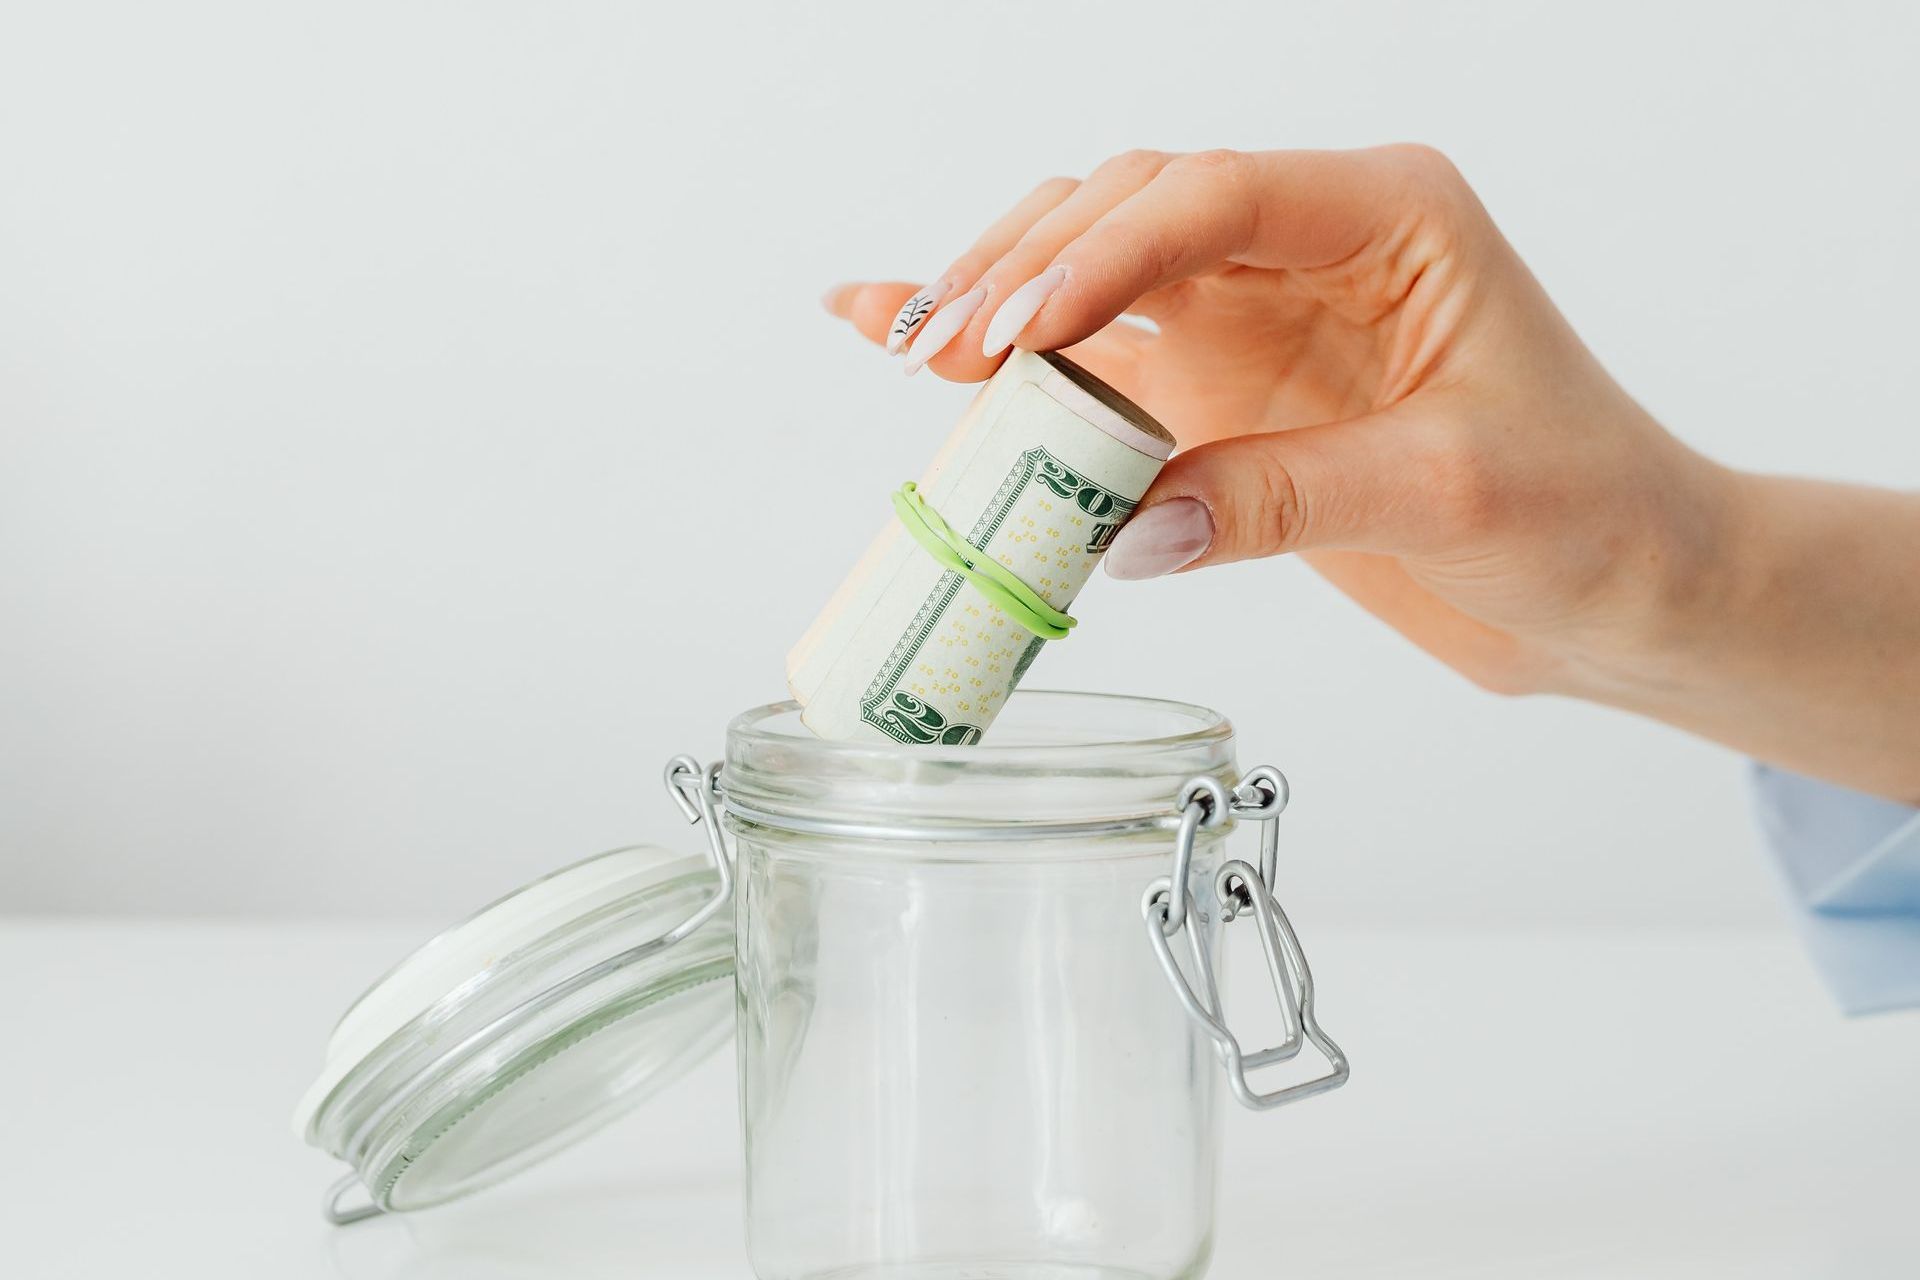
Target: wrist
x: 1694, y: 588
x: 1790, y: 633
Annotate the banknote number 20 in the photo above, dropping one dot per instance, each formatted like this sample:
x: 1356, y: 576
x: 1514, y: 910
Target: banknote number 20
x: 1104, y: 505
x: 911, y: 720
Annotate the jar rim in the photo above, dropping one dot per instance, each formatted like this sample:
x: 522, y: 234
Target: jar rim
x: 1056, y: 764
x: 758, y: 724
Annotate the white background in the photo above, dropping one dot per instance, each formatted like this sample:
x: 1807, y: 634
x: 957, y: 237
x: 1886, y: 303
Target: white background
x: 417, y: 420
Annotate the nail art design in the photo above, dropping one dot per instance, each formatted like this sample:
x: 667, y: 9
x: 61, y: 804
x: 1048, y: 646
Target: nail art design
x: 946, y: 325
x: 1019, y: 309
x: 914, y: 314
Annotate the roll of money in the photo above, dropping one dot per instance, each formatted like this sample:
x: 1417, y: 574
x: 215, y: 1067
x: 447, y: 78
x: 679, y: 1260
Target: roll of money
x: 1042, y: 470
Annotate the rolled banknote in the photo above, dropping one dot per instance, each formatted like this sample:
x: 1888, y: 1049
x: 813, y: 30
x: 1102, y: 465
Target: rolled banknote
x: 1040, y: 473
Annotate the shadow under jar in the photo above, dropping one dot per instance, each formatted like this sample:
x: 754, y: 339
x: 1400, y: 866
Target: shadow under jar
x: 959, y: 1059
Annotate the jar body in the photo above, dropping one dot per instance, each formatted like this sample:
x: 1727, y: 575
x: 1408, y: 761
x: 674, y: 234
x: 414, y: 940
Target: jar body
x: 961, y: 1060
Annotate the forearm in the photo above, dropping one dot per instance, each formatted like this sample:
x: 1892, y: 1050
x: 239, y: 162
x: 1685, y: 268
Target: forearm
x: 1800, y: 642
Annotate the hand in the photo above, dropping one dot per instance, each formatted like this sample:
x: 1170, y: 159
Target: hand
x: 1360, y: 368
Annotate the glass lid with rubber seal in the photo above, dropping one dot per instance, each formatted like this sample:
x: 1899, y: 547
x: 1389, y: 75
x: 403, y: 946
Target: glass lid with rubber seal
x: 533, y: 1023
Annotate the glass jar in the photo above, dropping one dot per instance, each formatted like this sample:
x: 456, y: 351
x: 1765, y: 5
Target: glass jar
x: 977, y: 1033
x: 957, y: 1055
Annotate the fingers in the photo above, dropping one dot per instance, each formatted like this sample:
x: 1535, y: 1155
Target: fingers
x: 1071, y: 257
x: 1377, y: 483
x: 971, y: 350
x: 913, y: 313
x: 947, y: 320
x: 1202, y: 212
x: 1109, y: 355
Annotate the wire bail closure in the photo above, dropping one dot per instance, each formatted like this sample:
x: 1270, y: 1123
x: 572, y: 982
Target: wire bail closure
x: 696, y: 792
x: 1240, y: 887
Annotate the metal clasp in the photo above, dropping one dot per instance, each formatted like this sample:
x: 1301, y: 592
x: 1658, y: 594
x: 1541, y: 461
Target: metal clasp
x: 1240, y: 887
x: 696, y: 791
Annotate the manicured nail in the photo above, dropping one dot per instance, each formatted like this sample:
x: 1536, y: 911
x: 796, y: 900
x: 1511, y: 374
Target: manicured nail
x: 914, y: 314
x: 831, y: 298
x: 1020, y: 308
x: 946, y: 324
x: 1166, y: 536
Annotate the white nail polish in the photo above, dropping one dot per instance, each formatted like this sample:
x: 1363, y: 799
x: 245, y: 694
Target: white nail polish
x: 1019, y: 309
x: 1166, y: 536
x: 946, y: 325
x: 914, y: 314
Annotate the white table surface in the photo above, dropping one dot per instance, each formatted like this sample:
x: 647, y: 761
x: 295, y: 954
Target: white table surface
x: 1521, y: 1106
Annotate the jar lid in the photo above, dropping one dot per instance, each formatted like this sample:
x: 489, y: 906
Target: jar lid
x: 526, y: 1027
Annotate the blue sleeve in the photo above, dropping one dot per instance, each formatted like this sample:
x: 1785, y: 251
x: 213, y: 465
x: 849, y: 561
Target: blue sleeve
x: 1851, y: 863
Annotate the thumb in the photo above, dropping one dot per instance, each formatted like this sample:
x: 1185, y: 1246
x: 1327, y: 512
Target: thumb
x: 1364, y: 484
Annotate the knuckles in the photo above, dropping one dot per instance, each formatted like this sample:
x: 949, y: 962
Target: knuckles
x: 1138, y: 164
x: 1421, y: 158
x: 1281, y: 516
x: 1256, y: 507
x: 1220, y: 162
x: 1137, y: 250
x: 1427, y: 171
x: 1055, y: 189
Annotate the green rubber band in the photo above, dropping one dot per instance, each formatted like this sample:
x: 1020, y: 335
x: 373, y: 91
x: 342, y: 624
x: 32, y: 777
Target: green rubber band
x: 989, y: 577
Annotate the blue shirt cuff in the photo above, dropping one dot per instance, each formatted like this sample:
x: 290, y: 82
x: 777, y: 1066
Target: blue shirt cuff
x: 1851, y: 864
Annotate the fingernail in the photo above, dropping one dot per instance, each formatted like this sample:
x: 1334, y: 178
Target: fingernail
x: 1019, y: 308
x: 914, y: 314
x: 1166, y: 536
x: 946, y: 324
x: 832, y: 296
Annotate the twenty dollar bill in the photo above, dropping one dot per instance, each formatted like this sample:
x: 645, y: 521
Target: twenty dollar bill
x: 1041, y: 472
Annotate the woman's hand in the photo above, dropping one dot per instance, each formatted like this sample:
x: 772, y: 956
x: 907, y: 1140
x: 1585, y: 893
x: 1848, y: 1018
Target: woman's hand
x: 1359, y: 367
